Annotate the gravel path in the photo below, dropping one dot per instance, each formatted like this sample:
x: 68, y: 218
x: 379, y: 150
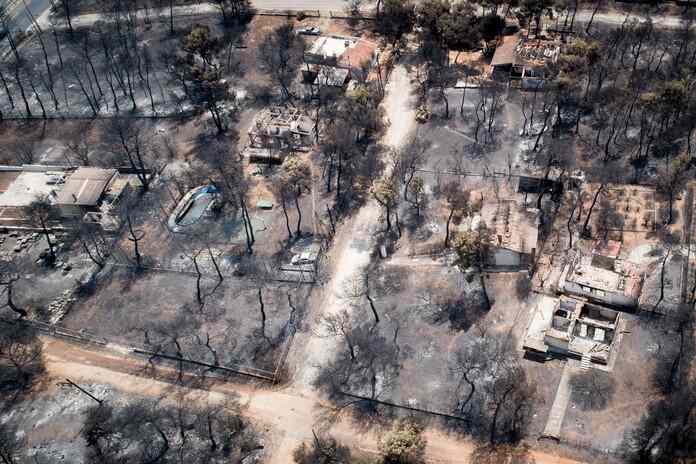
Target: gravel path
x: 354, y: 242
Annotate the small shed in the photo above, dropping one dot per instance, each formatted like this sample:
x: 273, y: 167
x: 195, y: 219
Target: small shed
x: 264, y: 204
x: 538, y: 185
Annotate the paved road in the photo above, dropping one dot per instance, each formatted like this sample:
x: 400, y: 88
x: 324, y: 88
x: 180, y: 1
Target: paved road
x: 617, y: 19
x: 40, y: 8
x: 324, y: 5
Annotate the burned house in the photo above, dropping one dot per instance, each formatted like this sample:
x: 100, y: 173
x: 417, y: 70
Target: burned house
x: 325, y: 76
x: 538, y: 185
x: 280, y: 127
x: 514, y: 235
x: 604, y: 280
x: 276, y: 129
x: 523, y: 60
x: 571, y: 327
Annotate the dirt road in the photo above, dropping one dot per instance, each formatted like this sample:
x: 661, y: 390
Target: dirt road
x: 285, y: 415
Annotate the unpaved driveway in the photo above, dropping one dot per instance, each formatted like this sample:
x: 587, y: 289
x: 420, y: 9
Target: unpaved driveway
x: 353, y: 245
x: 354, y: 242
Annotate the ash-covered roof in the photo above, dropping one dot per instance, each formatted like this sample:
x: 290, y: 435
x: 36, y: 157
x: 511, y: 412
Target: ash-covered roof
x: 85, y: 186
x: 527, y: 184
x: 27, y: 186
x: 346, y: 51
x: 620, y: 280
x: 363, y: 51
x: 513, y: 227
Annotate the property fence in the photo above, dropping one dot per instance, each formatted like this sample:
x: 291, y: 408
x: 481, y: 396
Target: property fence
x: 282, y: 275
x: 19, y: 116
x: 231, y: 369
x: 403, y: 406
x: 290, y: 13
x: 57, y: 331
x: 687, y: 295
x: 84, y: 337
x: 343, y: 15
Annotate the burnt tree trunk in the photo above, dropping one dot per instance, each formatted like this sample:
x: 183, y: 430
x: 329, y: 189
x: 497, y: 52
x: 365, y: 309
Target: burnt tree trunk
x: 370, y: 300
x: 262, y: 309
x: 299, y: 214
x: 447, y: 227
x: 215, y: 265
x: 199, y: 276
x: 589, y: 213
x: 10, y: 302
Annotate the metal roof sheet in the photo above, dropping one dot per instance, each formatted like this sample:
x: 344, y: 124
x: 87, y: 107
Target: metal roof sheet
x: 505, y: 52
x: 85, y: 186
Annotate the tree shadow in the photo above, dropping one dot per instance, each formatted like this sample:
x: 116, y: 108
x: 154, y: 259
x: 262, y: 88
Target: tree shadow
x: 461, y: 313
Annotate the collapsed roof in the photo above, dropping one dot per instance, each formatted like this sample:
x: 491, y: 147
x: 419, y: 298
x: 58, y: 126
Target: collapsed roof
x: 278, y: 121
x: 515, y: 50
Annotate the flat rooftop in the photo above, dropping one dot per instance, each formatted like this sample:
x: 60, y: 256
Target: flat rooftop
x: 85, y: 186
x: 505, y: 51
x: 6, y: 179
x: 540, y: 322
x: 361, y: 52
x: 585, y: 273
x: 347, y: 51
x: 332, y: 46
x: 609, y: 248
x: 27, y: 186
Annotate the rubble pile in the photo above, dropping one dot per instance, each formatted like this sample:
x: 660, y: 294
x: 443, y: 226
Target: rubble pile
x: 59, y: 307
x: 537, y: 51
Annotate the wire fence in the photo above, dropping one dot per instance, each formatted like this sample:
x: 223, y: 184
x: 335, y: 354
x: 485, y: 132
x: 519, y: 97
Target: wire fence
x: 87, y: 338
x: 67, y: 116
x: 403, y: 406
